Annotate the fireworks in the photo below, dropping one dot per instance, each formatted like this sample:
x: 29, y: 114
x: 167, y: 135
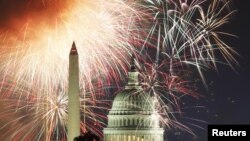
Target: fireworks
x: 185, y: 33
x: 35, y: 63
x: 45, y: 117
x: 168, y: 37
x: 182, y: 35
x: 43, y: 48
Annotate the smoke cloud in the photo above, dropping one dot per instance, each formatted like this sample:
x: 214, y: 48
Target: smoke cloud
x: 15, y: 14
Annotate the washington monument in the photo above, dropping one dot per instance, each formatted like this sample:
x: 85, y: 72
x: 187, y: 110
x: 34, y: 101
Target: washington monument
x: 73, y: 126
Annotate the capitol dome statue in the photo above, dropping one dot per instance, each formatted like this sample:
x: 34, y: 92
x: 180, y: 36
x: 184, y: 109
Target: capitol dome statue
x: 132, y: 117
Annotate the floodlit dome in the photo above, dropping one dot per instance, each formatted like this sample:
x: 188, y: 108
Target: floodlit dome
x: 132, y: 116
x: 132, y: 101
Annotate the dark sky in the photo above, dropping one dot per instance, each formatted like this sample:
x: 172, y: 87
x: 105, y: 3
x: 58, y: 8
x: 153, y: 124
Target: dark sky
x: 227, y: 101
x: 230, y: 90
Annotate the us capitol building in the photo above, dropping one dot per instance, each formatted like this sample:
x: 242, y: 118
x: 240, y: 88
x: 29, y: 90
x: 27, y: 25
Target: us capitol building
x: 132, y: 117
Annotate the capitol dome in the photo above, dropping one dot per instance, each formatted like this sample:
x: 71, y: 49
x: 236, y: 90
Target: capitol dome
x: 132, y: 116
x: 132, y: 101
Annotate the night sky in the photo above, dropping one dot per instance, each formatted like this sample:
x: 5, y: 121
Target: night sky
x: 227, y: 99
x: 229, y: 92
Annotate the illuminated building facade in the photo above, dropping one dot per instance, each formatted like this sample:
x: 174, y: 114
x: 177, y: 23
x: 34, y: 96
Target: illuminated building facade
x: 132, y: 117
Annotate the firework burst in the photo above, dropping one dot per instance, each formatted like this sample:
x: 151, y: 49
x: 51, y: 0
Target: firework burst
x: 186, y: 33
x: 43, y: 47
x: 45, y: 117
x: 168, y: 36
x: 35, y: 60
x: 180, y: 36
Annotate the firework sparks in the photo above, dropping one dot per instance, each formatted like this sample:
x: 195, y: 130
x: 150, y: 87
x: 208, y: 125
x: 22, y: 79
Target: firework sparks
x: 43, y: 47
x: 181, y: 34
x: 186, y: 33
x: 167, y: 36
x: 45, y: 118
x: 35, y: 58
